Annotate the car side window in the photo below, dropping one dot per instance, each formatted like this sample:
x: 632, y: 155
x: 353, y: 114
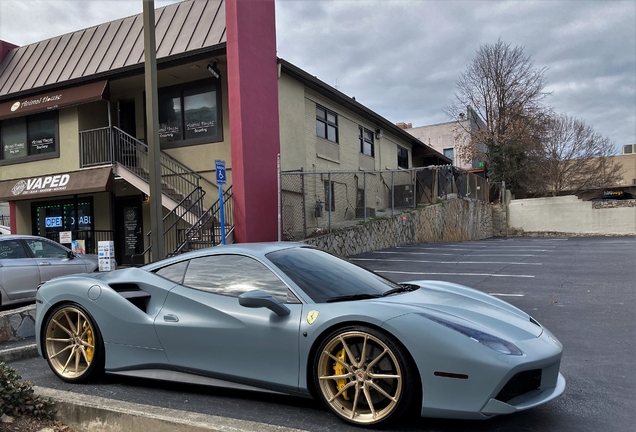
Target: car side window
x: 44, y: 249
x: 12, y: 249
x: 233, y: 275
x: 173, y: 272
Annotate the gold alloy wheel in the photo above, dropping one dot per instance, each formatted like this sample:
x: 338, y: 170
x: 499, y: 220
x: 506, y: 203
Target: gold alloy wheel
x: 360, y: 377
x: 70, y: 342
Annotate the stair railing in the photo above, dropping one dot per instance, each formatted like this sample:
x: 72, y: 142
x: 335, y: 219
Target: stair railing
x: 206, y: 231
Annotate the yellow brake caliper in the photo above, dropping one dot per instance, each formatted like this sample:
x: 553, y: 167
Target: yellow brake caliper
x: 339, y: 369
x: 89, y: 340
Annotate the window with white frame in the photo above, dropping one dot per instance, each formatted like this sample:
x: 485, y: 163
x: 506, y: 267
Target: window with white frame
x: 365, y: 136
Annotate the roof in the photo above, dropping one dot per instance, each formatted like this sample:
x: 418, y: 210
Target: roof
x: 182, y: 29
x: 350, y: 103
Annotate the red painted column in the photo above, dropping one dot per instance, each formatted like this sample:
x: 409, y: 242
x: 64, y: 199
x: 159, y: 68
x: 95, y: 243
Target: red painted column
x: 13, y: 222
x: 254, y: 128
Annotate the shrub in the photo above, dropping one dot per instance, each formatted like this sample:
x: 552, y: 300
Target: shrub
x: 17, y: 398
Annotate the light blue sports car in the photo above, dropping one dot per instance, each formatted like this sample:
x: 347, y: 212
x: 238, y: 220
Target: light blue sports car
x: 290, y: 318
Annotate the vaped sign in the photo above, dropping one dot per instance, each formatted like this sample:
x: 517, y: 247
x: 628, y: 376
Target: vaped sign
x: 83, y: 181
x: 41, y: 184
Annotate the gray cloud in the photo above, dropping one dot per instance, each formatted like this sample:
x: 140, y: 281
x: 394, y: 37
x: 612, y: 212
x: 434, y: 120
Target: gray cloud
x: 401, y: 58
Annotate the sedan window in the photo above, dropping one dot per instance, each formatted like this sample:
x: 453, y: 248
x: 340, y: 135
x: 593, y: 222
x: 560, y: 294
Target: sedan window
x: 45, y: 249
x: 12, y: 249
x: 233, y: 275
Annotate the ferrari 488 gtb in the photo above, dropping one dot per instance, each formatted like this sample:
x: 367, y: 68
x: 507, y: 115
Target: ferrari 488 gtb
x: 290, y: 318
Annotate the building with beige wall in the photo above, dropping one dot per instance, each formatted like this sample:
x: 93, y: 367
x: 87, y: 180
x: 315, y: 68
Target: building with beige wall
x: 448, y: 138
x: 83, y: 93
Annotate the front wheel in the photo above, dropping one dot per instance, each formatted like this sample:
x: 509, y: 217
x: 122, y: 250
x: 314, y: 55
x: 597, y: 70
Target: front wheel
x: 363, y: 376
x: 73, y: 345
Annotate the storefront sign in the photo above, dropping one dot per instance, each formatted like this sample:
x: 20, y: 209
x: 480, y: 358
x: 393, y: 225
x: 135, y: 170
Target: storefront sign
x: 613, y: 194
x: 83, y: 181
x: 54, y: 100
x: 130, y: 227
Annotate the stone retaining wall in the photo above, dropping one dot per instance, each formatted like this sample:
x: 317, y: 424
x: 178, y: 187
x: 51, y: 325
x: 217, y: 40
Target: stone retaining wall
x: 454, y: 220
x: 613, y: 204
x: 17, y: 323
x: 499, y: 220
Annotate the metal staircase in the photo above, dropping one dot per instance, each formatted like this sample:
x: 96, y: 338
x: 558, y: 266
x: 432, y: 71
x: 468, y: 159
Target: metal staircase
x: 187, y: 225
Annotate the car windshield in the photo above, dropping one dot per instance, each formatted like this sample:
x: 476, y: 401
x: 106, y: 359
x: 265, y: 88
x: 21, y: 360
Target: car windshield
x: 324, y: 277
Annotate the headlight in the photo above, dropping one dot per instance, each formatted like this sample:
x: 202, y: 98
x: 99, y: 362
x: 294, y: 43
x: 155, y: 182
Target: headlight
x: 493, y: 342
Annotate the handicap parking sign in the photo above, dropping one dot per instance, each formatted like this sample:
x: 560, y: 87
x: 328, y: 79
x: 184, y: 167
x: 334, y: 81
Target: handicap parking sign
x: 220, y: 172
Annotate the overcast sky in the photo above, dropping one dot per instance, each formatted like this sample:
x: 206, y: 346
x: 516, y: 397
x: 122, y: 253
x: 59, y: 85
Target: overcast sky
x: 401, y: 58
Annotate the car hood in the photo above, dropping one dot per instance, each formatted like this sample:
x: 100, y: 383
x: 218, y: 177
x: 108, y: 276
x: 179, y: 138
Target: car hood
x: 468, y: 307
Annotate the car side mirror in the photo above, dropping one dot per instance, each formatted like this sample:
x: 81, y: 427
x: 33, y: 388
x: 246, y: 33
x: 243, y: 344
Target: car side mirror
x: 260, y: 298
x: 70, y: 254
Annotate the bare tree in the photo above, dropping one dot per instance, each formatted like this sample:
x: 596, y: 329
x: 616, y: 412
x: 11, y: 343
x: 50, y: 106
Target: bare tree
x: 504, y: 91
x: 572, y: 157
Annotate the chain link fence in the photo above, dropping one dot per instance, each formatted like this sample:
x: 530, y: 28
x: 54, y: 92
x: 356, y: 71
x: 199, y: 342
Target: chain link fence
x: 313, y: 203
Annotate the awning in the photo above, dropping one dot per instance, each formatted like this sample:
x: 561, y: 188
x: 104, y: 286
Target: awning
x: 54, y: 100
x: 76, y: 182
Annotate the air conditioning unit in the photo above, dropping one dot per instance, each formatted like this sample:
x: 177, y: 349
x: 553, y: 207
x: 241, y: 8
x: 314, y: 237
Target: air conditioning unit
x: 629, y: 149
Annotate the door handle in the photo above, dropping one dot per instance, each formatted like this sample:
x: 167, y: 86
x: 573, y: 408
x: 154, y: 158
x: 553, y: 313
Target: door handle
x: 44, y: 263
x: 170, y: 318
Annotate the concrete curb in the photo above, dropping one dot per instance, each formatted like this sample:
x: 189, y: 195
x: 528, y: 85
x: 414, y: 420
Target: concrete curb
x: 18, y: 353
x: 87, y: 413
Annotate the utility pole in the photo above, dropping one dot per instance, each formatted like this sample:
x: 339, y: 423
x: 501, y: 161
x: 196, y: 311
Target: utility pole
x: 152, y: 128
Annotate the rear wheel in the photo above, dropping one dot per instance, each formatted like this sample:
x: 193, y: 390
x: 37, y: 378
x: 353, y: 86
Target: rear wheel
x: 73, y: 345
x: 363, y: 376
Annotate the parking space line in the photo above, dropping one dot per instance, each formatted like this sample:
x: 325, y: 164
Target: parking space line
x: 500, y: 247
x: 413, y: 253
x: 506, y: 295
x: 454, y: 274
x: 521, y: 249
x: 443, y: 262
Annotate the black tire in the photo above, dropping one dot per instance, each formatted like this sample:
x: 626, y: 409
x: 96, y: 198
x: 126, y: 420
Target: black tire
x: 72, y: 344
x: 374, y: 389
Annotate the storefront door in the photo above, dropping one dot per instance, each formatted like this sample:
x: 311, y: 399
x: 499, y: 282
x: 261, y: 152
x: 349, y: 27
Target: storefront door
x: 128, y: 229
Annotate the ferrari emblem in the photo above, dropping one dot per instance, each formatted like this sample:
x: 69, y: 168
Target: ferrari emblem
x: 311, y: 316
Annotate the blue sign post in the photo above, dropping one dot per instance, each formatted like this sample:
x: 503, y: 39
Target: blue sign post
x: 221, y: 179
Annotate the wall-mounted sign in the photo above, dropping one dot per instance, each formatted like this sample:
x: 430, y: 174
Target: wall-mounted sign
x: 82, y: 181
x: 55, y: 100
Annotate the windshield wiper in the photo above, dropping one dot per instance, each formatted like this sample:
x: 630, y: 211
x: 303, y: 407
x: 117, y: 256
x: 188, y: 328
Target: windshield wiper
x: 352, y: 297
x: 402, y: 288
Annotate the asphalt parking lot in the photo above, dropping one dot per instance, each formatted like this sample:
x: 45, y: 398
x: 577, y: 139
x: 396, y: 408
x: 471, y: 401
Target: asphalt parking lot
x: 583, y: 289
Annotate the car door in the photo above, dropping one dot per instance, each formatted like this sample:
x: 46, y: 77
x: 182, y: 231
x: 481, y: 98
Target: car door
x: 53, y: 260
x: 19, y: 274
x: 202, y: 326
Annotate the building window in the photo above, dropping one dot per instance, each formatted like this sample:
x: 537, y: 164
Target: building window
x: 189, y: 115
x: 332, y: 206
x: 32, y: 137
x: 365, y: 136
x: 402, y: 157
x: 326, y: 124
x: 450, y: 153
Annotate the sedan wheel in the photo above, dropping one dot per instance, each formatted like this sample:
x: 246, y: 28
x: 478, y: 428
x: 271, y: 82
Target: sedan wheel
x: 363, y: 376
x: 73, y: 344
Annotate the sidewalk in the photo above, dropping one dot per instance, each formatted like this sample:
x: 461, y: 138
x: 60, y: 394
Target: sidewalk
x: 19, y: 349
